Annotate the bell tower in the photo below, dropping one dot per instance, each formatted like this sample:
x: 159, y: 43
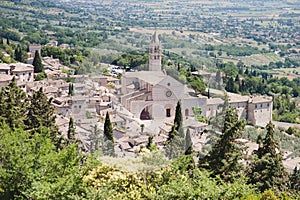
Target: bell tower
x: 155, y: 53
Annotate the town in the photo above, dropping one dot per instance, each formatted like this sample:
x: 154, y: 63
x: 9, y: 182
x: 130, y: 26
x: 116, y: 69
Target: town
x: 151, y: 99
x: 142, y: 103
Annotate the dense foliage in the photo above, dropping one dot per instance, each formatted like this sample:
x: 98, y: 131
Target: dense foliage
x: 34, y: 165
x: 267, y: 170
x: 224, y: 158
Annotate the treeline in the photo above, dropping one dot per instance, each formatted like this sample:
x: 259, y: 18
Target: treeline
x: 247, y: 82
x: 65, y: 56
x: 233, y: 50
x: 289, y: 62
x: 131, y: 60
x: 31, y: 31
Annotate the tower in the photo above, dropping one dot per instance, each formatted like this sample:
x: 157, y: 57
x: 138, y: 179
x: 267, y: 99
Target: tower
x: 155, y: 54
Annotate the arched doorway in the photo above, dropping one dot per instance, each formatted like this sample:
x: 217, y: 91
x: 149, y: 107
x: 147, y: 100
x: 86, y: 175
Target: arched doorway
x: 145, y: 114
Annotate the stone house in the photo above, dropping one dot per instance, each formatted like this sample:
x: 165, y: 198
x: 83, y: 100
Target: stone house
x: 33, y: 48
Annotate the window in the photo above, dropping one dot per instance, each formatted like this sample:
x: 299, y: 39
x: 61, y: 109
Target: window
x: 186, y: 112
x: 168, y: 112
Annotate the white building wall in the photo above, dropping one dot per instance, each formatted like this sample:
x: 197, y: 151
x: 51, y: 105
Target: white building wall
x: 261, y: 113
x: 25, y: 76
x: 212, y: 110
x: 188, y: 104
x: 241, y: 108
x: 171, y: 84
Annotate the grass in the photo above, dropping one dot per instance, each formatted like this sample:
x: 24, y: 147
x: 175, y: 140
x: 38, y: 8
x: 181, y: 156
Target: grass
x: 288, y: 73
x: 261, y: 59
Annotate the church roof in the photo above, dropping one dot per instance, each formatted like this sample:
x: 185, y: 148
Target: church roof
x: 155, y: 38
x: 152, y: 77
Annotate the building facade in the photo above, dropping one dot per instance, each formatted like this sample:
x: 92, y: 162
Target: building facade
x: 153, y: 94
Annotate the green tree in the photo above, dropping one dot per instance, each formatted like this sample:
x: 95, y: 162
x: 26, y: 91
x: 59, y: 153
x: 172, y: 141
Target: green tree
x: 71, y: 89
x: 198, y: 114
x: 150, y: 144
x: 224, y: 158
x: 37, y: 63
x: 295, y: 180
x: 188, y: 143
x: 175, y: 143
x: 17, y: 161
x: 197, y: 84
x: 267, y: 170
x: 71, y: 139
x: 18, y: 54
x: 108, y: 145
x: 41, y: 112
x: 178, y: 116
x: 14, y: 105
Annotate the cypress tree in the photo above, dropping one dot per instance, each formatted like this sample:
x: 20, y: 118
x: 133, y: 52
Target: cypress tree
x: 71, y: 89
x: 37, y: 63
x: 295, y: 180
x: 19, y: 54
x: 178, y: 116
x: 188, y: 143
x: 108, y: 146
x: 175, y: 144
x: 40, y: 111
x: 41, y: 114
x: 71, y: 132
x: 267, y: 170
x: 14, y: 105
x: 224, y: 157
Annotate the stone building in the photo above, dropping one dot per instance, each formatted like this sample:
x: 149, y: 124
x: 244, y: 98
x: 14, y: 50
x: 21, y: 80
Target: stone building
x: 153, y: 94
x: 257, y: 110
x: 24, y: 74
x: 33, y: 48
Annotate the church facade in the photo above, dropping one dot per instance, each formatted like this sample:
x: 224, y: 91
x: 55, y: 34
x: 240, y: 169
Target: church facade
x: 153, y: 94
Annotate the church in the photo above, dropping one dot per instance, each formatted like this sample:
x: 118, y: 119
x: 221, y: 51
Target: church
x: 152, y: 94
